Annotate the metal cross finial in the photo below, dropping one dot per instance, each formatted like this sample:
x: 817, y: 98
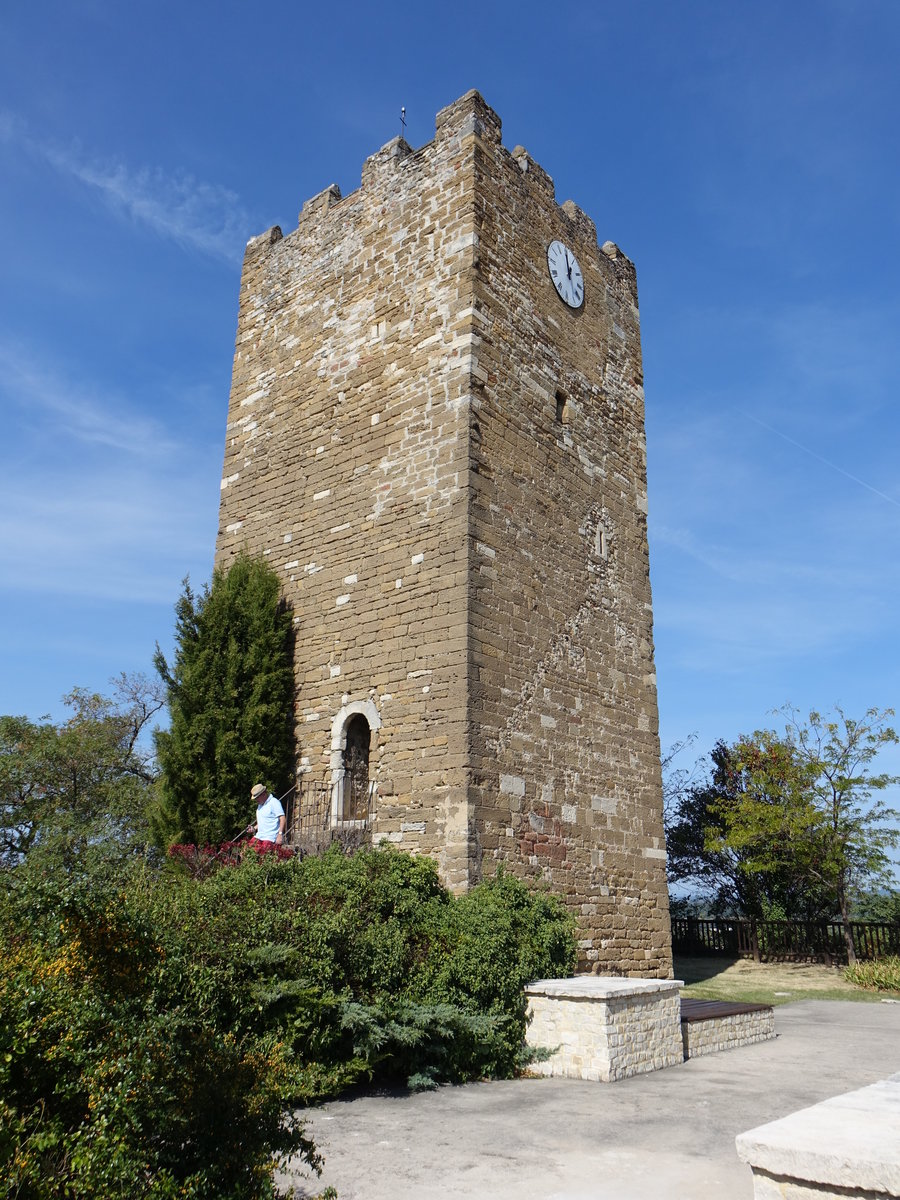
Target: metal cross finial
x: 403, y: 123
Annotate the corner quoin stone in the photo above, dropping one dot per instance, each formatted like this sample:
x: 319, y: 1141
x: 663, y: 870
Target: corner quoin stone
x: 446, y: 465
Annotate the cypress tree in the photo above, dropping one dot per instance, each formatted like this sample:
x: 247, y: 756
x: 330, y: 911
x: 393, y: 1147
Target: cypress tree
x: 230, y: 692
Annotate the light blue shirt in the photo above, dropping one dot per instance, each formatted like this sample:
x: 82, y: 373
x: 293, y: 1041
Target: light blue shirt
x: 268, y: 819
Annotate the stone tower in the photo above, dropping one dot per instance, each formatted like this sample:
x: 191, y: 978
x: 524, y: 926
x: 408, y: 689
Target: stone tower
x: 440, y: 448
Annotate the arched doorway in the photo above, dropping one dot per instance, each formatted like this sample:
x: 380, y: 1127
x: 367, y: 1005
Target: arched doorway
x: 356, y: 769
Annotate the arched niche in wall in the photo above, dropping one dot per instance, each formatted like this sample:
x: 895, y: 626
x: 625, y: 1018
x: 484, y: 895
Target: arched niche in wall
x: 352, y: 742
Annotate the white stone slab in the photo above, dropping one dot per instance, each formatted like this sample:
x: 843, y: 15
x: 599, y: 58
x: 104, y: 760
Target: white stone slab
x: 601, y: 987
x: 850, y: 1141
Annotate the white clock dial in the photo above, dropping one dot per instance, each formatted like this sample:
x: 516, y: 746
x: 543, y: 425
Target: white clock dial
x: 566, y: 274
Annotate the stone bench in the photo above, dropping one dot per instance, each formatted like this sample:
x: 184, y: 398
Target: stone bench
x: 605, y: 1028
x: 847, y: 1146
x: 708, y: 1026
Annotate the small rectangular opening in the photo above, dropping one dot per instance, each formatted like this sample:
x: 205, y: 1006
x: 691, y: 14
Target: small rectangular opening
x: 562, y: 409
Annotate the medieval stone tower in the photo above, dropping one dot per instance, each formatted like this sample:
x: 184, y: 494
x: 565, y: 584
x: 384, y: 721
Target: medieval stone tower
x: 436, y: 436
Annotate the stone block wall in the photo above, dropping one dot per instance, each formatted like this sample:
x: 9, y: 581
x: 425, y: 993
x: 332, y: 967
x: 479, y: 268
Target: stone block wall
x: 446, y: 466
x: 604, y: 1029
x: 346, y: 465
x: 565, y: 752
x: 711, y: 1035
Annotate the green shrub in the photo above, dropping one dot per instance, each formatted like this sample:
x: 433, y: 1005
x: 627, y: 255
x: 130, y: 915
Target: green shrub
x: 366, y: 967
x: 155, y: 1029
x: 495, y: 940
x: 114, y: 1081
x: 880, y: 974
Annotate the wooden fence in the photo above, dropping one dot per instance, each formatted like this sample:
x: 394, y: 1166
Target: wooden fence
x: 820, y: 941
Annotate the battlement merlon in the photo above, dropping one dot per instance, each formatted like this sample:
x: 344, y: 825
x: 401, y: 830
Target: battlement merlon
x: 383, y: 163
x: 321, y: 202
x: 624, y: 269
x: 469, y: 116
x: 536, y: 175
x: 262, y: 242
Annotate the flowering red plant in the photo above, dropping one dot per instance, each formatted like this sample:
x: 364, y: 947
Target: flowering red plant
x: 201, y: 861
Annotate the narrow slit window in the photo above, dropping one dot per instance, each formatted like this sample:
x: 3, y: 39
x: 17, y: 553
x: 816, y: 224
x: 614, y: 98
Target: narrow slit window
x: 562, y: 409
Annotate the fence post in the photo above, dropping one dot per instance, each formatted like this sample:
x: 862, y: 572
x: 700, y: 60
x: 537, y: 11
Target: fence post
x: 754, y: 940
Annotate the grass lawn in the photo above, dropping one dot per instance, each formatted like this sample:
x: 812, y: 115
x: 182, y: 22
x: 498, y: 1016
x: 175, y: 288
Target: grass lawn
x: 714, y: 978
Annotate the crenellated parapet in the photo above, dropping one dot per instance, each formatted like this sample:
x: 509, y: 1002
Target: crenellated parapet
x: 468, y: 118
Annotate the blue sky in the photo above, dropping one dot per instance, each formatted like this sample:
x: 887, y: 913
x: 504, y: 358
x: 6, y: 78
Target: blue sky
x: 745, y: 156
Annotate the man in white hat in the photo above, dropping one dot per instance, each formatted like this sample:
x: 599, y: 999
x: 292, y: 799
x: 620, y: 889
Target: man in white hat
x: 270, y: 818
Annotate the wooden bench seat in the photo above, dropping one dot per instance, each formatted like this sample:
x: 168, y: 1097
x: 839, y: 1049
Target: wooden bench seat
x: 708, y: 1010
x: 708, y: 1026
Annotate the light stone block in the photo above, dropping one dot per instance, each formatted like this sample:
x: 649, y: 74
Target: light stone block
x: 846, y: 1146
x: 605, y: 1028
x: 713, y: 1034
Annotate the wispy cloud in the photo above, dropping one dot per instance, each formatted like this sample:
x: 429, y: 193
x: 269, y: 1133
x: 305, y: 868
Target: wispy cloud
x: 756, y: 561
x: 829, y: 351
x: 48, y: 400
x: 117, y: 535
x: 196, y: 215
x: 96, y: 499
x: 767, y: 567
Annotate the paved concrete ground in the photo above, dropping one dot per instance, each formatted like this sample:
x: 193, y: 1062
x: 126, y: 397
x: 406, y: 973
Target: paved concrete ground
x: 664, y: 1136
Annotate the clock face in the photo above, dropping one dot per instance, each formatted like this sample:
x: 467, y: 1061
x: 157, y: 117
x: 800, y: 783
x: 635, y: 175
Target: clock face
x: 566, y: 274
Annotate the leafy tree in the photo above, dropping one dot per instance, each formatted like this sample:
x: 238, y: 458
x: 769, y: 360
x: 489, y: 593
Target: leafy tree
x: 230, y: 694
x: 677, y: 780
x: 879, y: 904
x: 793, y: 824
x: 80, y: 789
x: 725, y: 863
x: 855, y: 828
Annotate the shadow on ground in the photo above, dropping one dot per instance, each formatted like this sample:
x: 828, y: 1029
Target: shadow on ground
x: 702, y: 967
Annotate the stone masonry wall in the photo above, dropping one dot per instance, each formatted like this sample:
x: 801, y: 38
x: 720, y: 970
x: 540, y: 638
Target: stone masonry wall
x: 565, y: 756
x: 346, y: 464
x: 446, y: 466
x: 727, y: 1033
x: 603, y: 1037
